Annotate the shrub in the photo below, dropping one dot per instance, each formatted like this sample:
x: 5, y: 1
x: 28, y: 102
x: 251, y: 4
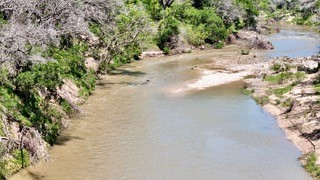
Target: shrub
x: 153, y: 8
x: 212, y: 23
x: 218, y: 45
x: 168, y: 29
x: 196, y: 35
x: 311, y: 166
x: 245, y: 51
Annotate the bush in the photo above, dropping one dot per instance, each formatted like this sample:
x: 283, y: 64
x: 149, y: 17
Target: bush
x: 153, y: 8
x: 168, y: 29
x: 311, y: 166
x: 196, y: 35
x: 218, y: 45
x: 212, y: 24
x: 245, y: 51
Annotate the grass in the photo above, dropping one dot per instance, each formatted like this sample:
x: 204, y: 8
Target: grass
x: 317, y: 88
x: 281, y: 68
x: 285, y: 76
x: 262, y: 100
x: 281, y: 91
x: 279, y: 78
x: 312, y: 167
x: 247, y: 92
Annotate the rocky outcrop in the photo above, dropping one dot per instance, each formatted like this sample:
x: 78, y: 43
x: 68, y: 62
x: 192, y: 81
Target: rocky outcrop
x: 147, y: 54
x: 70, y: 92
x: 309, y: 67
x: 231, y: 39
x: 254, y: 40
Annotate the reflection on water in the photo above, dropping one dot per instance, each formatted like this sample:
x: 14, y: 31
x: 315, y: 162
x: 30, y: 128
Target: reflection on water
x: 141, y: 131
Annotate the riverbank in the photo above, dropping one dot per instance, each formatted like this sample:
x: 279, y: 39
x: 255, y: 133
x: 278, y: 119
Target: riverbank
x: 288, y: 88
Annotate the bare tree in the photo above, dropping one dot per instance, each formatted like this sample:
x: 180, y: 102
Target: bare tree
x: 37, y: 23
x: 130, y: 27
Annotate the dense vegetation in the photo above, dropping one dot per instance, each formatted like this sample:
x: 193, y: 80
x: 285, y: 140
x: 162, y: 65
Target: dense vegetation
x: 296, y: 11
x: 44, y: 45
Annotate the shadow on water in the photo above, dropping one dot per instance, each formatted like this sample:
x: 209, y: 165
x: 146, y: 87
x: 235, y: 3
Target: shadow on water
x: 65, y: 138
x: 127, y: 72
x: 106, y: 84
x: 36, y: 176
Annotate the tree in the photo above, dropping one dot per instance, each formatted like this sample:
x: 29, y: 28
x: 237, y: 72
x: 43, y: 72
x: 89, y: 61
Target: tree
x: 165, y: 3
x: 35, y: 23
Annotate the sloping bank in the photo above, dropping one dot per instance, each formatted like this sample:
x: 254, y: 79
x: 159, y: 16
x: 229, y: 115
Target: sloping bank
x: 35, y: 104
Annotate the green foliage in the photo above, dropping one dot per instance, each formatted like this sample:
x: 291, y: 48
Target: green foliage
x: 11, y: 165
x: 66, y: 107
x: 21, y: 157
x: 211, y: 23
x: 252, y: 12
x: 1, y: 132
x: 280, y: 67
x: 28, y: 100
x: 311, y: 166
x: 95, y: 29
x: 40, y: 76
x: 284, y: 77
x: 316, y: 85
x: 5, y: 80
x: 245, y: 51
x: 196, y: 35
x: 246, y: 92
x: 262, y: 100
x: 276, y: 67
x: 168, y: 28
x: 264, y: 5
x: 218, y: 45
x: 14, y: 104
x: 287, y: 103
x: 2, y: 19
x: 154, y: 9
x: 280, y: 91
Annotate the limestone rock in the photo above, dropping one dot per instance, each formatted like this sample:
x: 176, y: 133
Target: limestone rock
x: 91, y: 63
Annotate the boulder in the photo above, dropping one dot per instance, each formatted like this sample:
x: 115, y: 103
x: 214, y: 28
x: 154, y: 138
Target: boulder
x: 260, y: 43
x: 255, y: 40
x: 91, y: 63
x: 70, y: 92
x: 231, y: 39
x: 247, y: 35
x: 147, y: 54
x: 309, y: 67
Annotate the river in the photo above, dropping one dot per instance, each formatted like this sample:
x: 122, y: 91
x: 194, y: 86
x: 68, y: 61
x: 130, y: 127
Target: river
x: 136, y: 128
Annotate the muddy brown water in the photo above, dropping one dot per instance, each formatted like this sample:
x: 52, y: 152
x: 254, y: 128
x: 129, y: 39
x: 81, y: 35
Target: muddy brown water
x: 138, y: 130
